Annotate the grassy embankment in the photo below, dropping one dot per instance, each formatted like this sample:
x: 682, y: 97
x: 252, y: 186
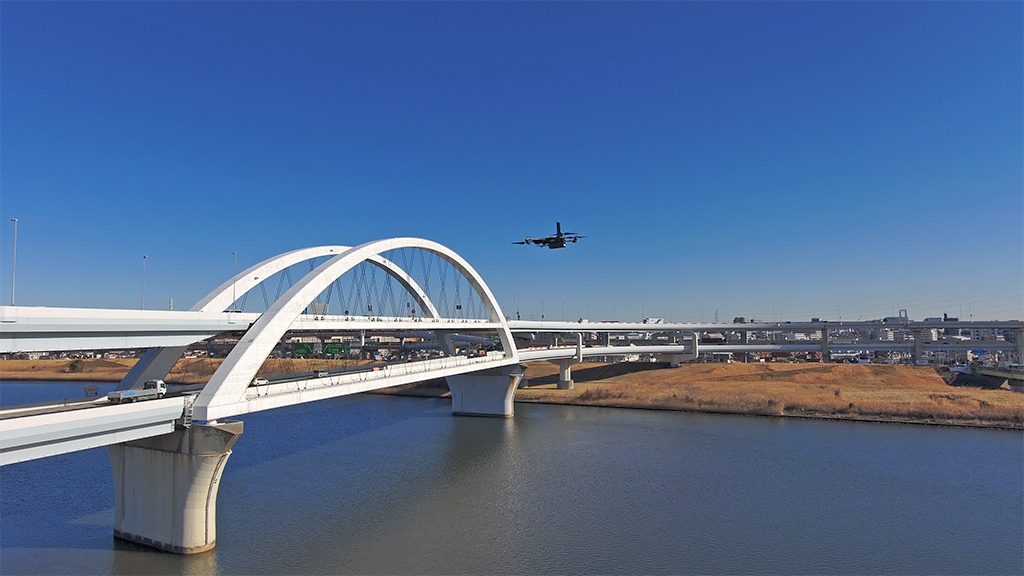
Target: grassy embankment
x: 839, y: 391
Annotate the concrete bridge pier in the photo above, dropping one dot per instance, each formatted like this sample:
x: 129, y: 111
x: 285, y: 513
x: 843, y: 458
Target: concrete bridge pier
x: 565, y: 365
x: 565, y: 373
x: 826, y: 355
x: 486, y: 393
x: 166, y: 487
x: 918, y: 342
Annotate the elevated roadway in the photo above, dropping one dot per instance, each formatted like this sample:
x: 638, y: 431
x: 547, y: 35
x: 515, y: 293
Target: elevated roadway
x: 33, y: 432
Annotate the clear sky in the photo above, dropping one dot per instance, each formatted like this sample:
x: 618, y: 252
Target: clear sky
x: 792, y: 159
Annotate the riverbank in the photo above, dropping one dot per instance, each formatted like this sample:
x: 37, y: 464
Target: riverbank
x: 878, y: 393
x: 910, y: 394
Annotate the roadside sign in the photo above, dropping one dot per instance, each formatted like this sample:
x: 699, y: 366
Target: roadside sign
x: 337, y: 348
x: 304, y: 348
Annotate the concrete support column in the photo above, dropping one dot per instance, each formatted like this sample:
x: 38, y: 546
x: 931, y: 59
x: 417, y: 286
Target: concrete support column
x: 674, y: 360
x: 155, y: 364
x: 565, y: 373
x: 826, y: 355
x: 1019, y: 336
x: 166, y: 487
x: 918, y: 341
x: 486, y: 393
x: 444, y: 340
x: 746, y: 340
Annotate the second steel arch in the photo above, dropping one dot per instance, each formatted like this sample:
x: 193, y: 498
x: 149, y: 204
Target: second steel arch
x: 224, y: 395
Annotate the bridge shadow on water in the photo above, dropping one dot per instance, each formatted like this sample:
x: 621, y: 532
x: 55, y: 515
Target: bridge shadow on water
x: 342, y: 472
x: 303, y: 427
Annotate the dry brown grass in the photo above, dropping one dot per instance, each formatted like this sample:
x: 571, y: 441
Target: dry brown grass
x: 92, y: 370
x: 899, y: 393
x: 876, y: 392
x: 186, y: 371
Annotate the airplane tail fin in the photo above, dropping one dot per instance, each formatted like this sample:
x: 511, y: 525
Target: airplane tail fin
x: 558, y: 228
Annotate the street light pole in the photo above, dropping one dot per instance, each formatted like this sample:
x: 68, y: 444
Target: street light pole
x: 234, y: 272
x: 14, y: 265
x: 144, y: 282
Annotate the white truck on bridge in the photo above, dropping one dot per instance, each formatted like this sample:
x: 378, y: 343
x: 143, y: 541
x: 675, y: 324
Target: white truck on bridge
x: 150, y: 390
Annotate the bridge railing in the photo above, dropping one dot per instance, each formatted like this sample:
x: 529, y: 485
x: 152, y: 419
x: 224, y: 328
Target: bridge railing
x: 388, y: 320
x: 380, y: 374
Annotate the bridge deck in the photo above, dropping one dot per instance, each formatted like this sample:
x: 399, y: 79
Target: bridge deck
x: 33, y: 435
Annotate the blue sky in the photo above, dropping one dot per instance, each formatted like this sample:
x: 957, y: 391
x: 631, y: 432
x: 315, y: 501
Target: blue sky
x: 797, y: 159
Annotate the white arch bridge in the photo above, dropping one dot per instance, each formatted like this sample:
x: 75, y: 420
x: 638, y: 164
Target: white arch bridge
x: 167, y: 469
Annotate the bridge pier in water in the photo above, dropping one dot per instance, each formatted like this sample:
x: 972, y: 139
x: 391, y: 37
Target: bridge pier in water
x: 486, y: 393
x: 166, y: 487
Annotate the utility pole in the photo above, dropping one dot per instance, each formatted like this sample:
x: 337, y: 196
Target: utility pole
x: 14, y: 265
x: 144, y: 282
x: 234, y: 272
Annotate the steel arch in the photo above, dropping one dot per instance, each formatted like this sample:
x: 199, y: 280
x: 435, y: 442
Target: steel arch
x: 219, y: 299
x: 224, y: 395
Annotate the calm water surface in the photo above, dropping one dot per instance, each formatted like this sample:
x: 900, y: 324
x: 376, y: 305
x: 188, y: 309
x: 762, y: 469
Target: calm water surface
x: 377, y: 484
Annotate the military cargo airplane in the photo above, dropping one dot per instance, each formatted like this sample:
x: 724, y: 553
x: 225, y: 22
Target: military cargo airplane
x: 557, y: 241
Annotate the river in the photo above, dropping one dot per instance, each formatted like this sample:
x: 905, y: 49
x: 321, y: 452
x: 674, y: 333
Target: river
x: 395, y: 485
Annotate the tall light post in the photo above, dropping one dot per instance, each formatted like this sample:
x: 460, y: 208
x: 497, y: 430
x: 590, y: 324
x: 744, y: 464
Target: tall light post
x: 541, y: 309
x: 234, y: 272
x: 14, y: 265
x: 144, y: 282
